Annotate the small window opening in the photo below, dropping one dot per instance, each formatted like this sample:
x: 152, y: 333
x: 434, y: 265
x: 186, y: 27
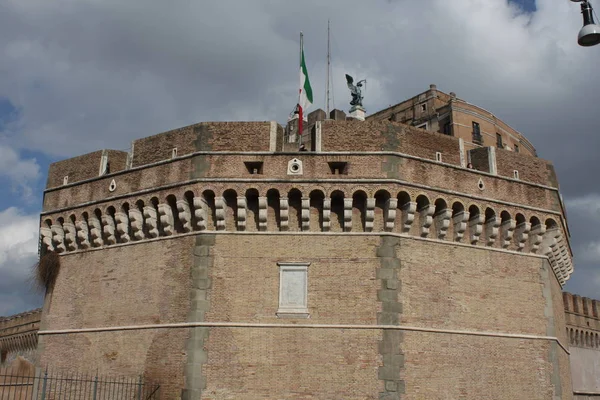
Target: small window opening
x: 516, y: 148
x: 3, y: 355
x: 438, y: 156
x: 480, y: 184
x: 499, y: 141
x: 66, y: 180
x: 174, y: 152
x: 477, y: 133
x: 516, y: 174
x: 338, y: 168
x: 254, y: 167
x: 447, y: 128
x: 423, y: 107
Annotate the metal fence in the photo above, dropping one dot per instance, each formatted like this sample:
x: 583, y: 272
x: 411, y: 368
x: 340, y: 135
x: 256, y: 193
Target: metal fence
x: 44, y: 385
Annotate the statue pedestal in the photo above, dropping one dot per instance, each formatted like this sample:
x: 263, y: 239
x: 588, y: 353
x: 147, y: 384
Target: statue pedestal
x: 357, y: 112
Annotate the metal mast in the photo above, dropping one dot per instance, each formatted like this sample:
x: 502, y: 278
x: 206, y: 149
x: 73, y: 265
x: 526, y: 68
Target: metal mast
x: 328, y: 69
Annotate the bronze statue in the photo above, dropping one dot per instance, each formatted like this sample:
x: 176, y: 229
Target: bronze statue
x: 355, y: 91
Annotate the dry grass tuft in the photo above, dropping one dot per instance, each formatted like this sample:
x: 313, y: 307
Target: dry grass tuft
x: 46, y: 270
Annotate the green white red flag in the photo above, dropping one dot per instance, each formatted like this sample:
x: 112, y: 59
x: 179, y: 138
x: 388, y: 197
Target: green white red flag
x: 306, y: 95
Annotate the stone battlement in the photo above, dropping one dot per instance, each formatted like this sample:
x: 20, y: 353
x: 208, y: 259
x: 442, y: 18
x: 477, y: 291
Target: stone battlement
x: 327, y: 136
x: 583, y: 320
x: 18, y: 334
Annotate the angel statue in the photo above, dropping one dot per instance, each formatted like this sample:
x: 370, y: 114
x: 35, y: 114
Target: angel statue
x: 355, y: 91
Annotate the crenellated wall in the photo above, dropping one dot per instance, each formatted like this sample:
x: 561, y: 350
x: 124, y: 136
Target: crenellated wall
x: 18, y: 336
x: 583, y: 329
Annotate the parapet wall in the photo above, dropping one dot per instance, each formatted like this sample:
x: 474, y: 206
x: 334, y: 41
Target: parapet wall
x: 582, y: 317
x: 388, y: 136
x: 18, y: 336
x: 329, y: 136
x: 207, y: 136
x: 583, y: 321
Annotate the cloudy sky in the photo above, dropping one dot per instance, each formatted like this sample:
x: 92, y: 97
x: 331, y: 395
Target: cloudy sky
x: 81, y: 75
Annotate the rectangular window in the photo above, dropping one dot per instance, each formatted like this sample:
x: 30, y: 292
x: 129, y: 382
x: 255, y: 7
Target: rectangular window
x: 477, y: 133
x: 438, y: 156
x: 448, y: 129
x: 104, y: 168
x: 516, y: 148
x: 423, y: 107
x: 499, y: 141
x: 293, y: 290
x: 338, y: 168
x: 254, y: 167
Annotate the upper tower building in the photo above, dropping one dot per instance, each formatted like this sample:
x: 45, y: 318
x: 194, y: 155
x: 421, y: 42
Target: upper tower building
x: 436, y: 111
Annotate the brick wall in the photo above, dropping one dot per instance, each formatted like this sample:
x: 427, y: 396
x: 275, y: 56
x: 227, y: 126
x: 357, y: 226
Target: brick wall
x: 84, y: 167
x: 388, y: 136
x: 76, y: 168
x: 18, y: 336
x: 205, y: 136
x: 442, y: 287
x: 531, y: 169
x: 143, y: 284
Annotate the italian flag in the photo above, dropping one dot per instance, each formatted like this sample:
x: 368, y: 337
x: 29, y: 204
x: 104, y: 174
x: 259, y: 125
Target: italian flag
x: 306, y: 96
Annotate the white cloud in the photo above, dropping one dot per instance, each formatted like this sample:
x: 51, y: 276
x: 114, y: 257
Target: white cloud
x: 20, y: 172
x: 588, y: 205
x: 18, y: 253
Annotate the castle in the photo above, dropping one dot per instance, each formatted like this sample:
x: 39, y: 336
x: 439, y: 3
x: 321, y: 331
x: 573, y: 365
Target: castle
x: 417, y: 254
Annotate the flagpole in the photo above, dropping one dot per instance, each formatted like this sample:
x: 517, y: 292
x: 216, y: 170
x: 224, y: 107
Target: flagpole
x: 300, y: 114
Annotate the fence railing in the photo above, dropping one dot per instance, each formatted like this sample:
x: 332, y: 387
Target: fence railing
x: 45, y: 385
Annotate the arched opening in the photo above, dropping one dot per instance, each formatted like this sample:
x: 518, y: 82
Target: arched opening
x: 402, y: 222
x: 317, y: 198
x: 359, y: 207
x: 442, y: 218
x: 459, y: 222
x: 425, y: 218
x: 475, y: 226
x: 382, y: 198
x: 551, y: 224
x: 252, y: 210
x: 273, y: 211
x: 172, y: 203
x: 520, y: 218
x: 295, y: 214
x: 535, y: 221
x: 188, y: 196
x: 230, y: 198
x: 337, y: 211
x: 210, y: 212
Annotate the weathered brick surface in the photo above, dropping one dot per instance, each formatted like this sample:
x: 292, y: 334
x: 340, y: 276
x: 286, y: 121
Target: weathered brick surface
x: 469, y: 289
x: 142, y: 284
x: 531, y: 169
x: 205, y: 136
x: 388, y: 136
x: 84, y: 167
x: 76, y: 168
x: 315, y: 166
